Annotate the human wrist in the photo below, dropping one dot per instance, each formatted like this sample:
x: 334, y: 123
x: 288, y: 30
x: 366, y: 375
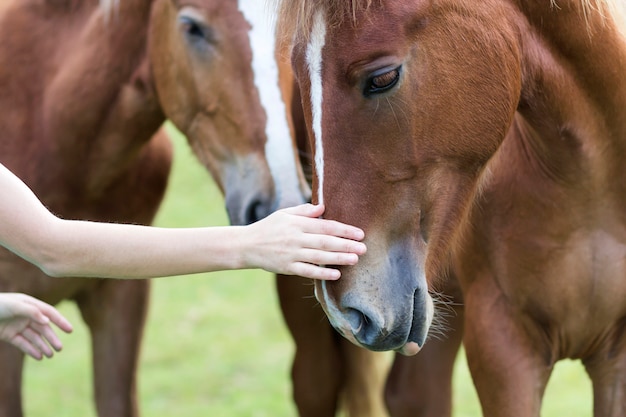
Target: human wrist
x: 244, y: 246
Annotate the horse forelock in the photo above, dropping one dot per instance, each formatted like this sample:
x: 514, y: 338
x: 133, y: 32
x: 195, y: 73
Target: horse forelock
x: 613, y: 7
x: 296, y: 17
x: 109, y: 7
x: 614, y: 10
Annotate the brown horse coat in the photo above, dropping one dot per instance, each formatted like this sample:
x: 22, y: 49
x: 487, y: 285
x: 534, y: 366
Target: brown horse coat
x: 480, y: 141
x: 84, y: 92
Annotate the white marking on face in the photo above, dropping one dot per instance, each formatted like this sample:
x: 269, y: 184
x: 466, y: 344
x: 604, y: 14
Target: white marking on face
x: 314, y: 62
x: 279, y: 146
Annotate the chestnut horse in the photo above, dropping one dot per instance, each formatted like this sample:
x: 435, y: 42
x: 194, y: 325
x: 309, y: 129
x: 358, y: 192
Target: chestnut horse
x: 84, y: 92
x: 479, y: 146
x: 330, y: 375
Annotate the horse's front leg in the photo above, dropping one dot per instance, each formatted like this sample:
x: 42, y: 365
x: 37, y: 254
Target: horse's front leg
x: 115, y: 313
x: 607, y: 370
x: 316, y: 373
x: 329, y: 373
x: 509, y: 366
x: 364, y: 382
x: 11, y: 367
x: 421, y: 385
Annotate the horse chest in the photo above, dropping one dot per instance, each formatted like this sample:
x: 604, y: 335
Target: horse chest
x: 573, y: 292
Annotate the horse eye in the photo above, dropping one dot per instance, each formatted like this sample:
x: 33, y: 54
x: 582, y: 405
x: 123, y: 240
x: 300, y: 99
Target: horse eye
x: 379, y: 83
x: 191, y: 28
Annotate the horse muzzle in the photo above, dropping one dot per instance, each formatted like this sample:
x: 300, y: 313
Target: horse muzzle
x: 406, y: 332
x: 387, y: 310
x: 249, y: 190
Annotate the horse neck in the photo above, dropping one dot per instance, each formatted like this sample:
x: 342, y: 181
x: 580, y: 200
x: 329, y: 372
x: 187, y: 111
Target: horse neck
x: 573, y: 91
x: 123, y: 108
x: 136, y: 112
x: 136, y: 107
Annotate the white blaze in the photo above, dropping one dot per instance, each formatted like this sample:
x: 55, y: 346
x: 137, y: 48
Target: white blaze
x: 279, y: 147
x: 314, y: 62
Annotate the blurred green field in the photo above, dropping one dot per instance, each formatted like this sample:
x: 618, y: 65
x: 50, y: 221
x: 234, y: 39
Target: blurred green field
x: 215, y: 344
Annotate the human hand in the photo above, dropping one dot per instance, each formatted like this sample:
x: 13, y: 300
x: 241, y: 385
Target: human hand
x: 295, y: 241
x: 25, y: 323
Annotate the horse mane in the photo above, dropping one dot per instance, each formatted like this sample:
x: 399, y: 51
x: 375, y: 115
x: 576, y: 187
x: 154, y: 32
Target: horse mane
x: 295, y: 17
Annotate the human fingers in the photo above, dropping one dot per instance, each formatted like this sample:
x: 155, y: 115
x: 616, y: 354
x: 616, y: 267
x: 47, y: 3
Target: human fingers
x: 25, y: 346
x: 37, y: 341
x: 47, y: 334
x: 49, y: 313
x: 332, y: 228
x: 19, y: 305
x: 311, y: 223
x: 333, y: 244
x: 307, y: 210
x: 322, y: 257
x: 312, y: 271
x: 24, y: 305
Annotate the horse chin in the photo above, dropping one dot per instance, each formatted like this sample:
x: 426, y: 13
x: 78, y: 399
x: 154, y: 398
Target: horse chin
x: 409, y: 349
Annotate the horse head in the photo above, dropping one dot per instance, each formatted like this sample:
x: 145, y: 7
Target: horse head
x: 202, y: 63
x: 405, y: 101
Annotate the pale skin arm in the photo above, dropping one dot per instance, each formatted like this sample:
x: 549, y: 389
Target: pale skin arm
x: 293, y: 241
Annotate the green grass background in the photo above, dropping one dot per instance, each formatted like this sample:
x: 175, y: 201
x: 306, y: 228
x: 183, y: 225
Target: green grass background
x: 215, y: 344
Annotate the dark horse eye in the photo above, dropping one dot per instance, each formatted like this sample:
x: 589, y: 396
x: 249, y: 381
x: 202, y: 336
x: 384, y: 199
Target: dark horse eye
x: 382, y: 81
x: 192, y: 28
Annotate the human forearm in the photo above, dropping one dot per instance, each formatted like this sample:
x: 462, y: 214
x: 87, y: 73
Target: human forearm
x: 291, y: 241
x: 81, y: 248
x: 90, y: 249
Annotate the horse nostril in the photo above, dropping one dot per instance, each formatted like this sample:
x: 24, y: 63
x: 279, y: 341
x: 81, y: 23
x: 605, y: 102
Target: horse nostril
x: 256, y: 210
x: 252, y: 212
x: 356, y: 320
x: 370, y: 329
x: 366, y: 328
x: 249, y: 207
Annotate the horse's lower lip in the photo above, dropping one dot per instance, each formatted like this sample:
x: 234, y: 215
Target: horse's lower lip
x: 409, y: 349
